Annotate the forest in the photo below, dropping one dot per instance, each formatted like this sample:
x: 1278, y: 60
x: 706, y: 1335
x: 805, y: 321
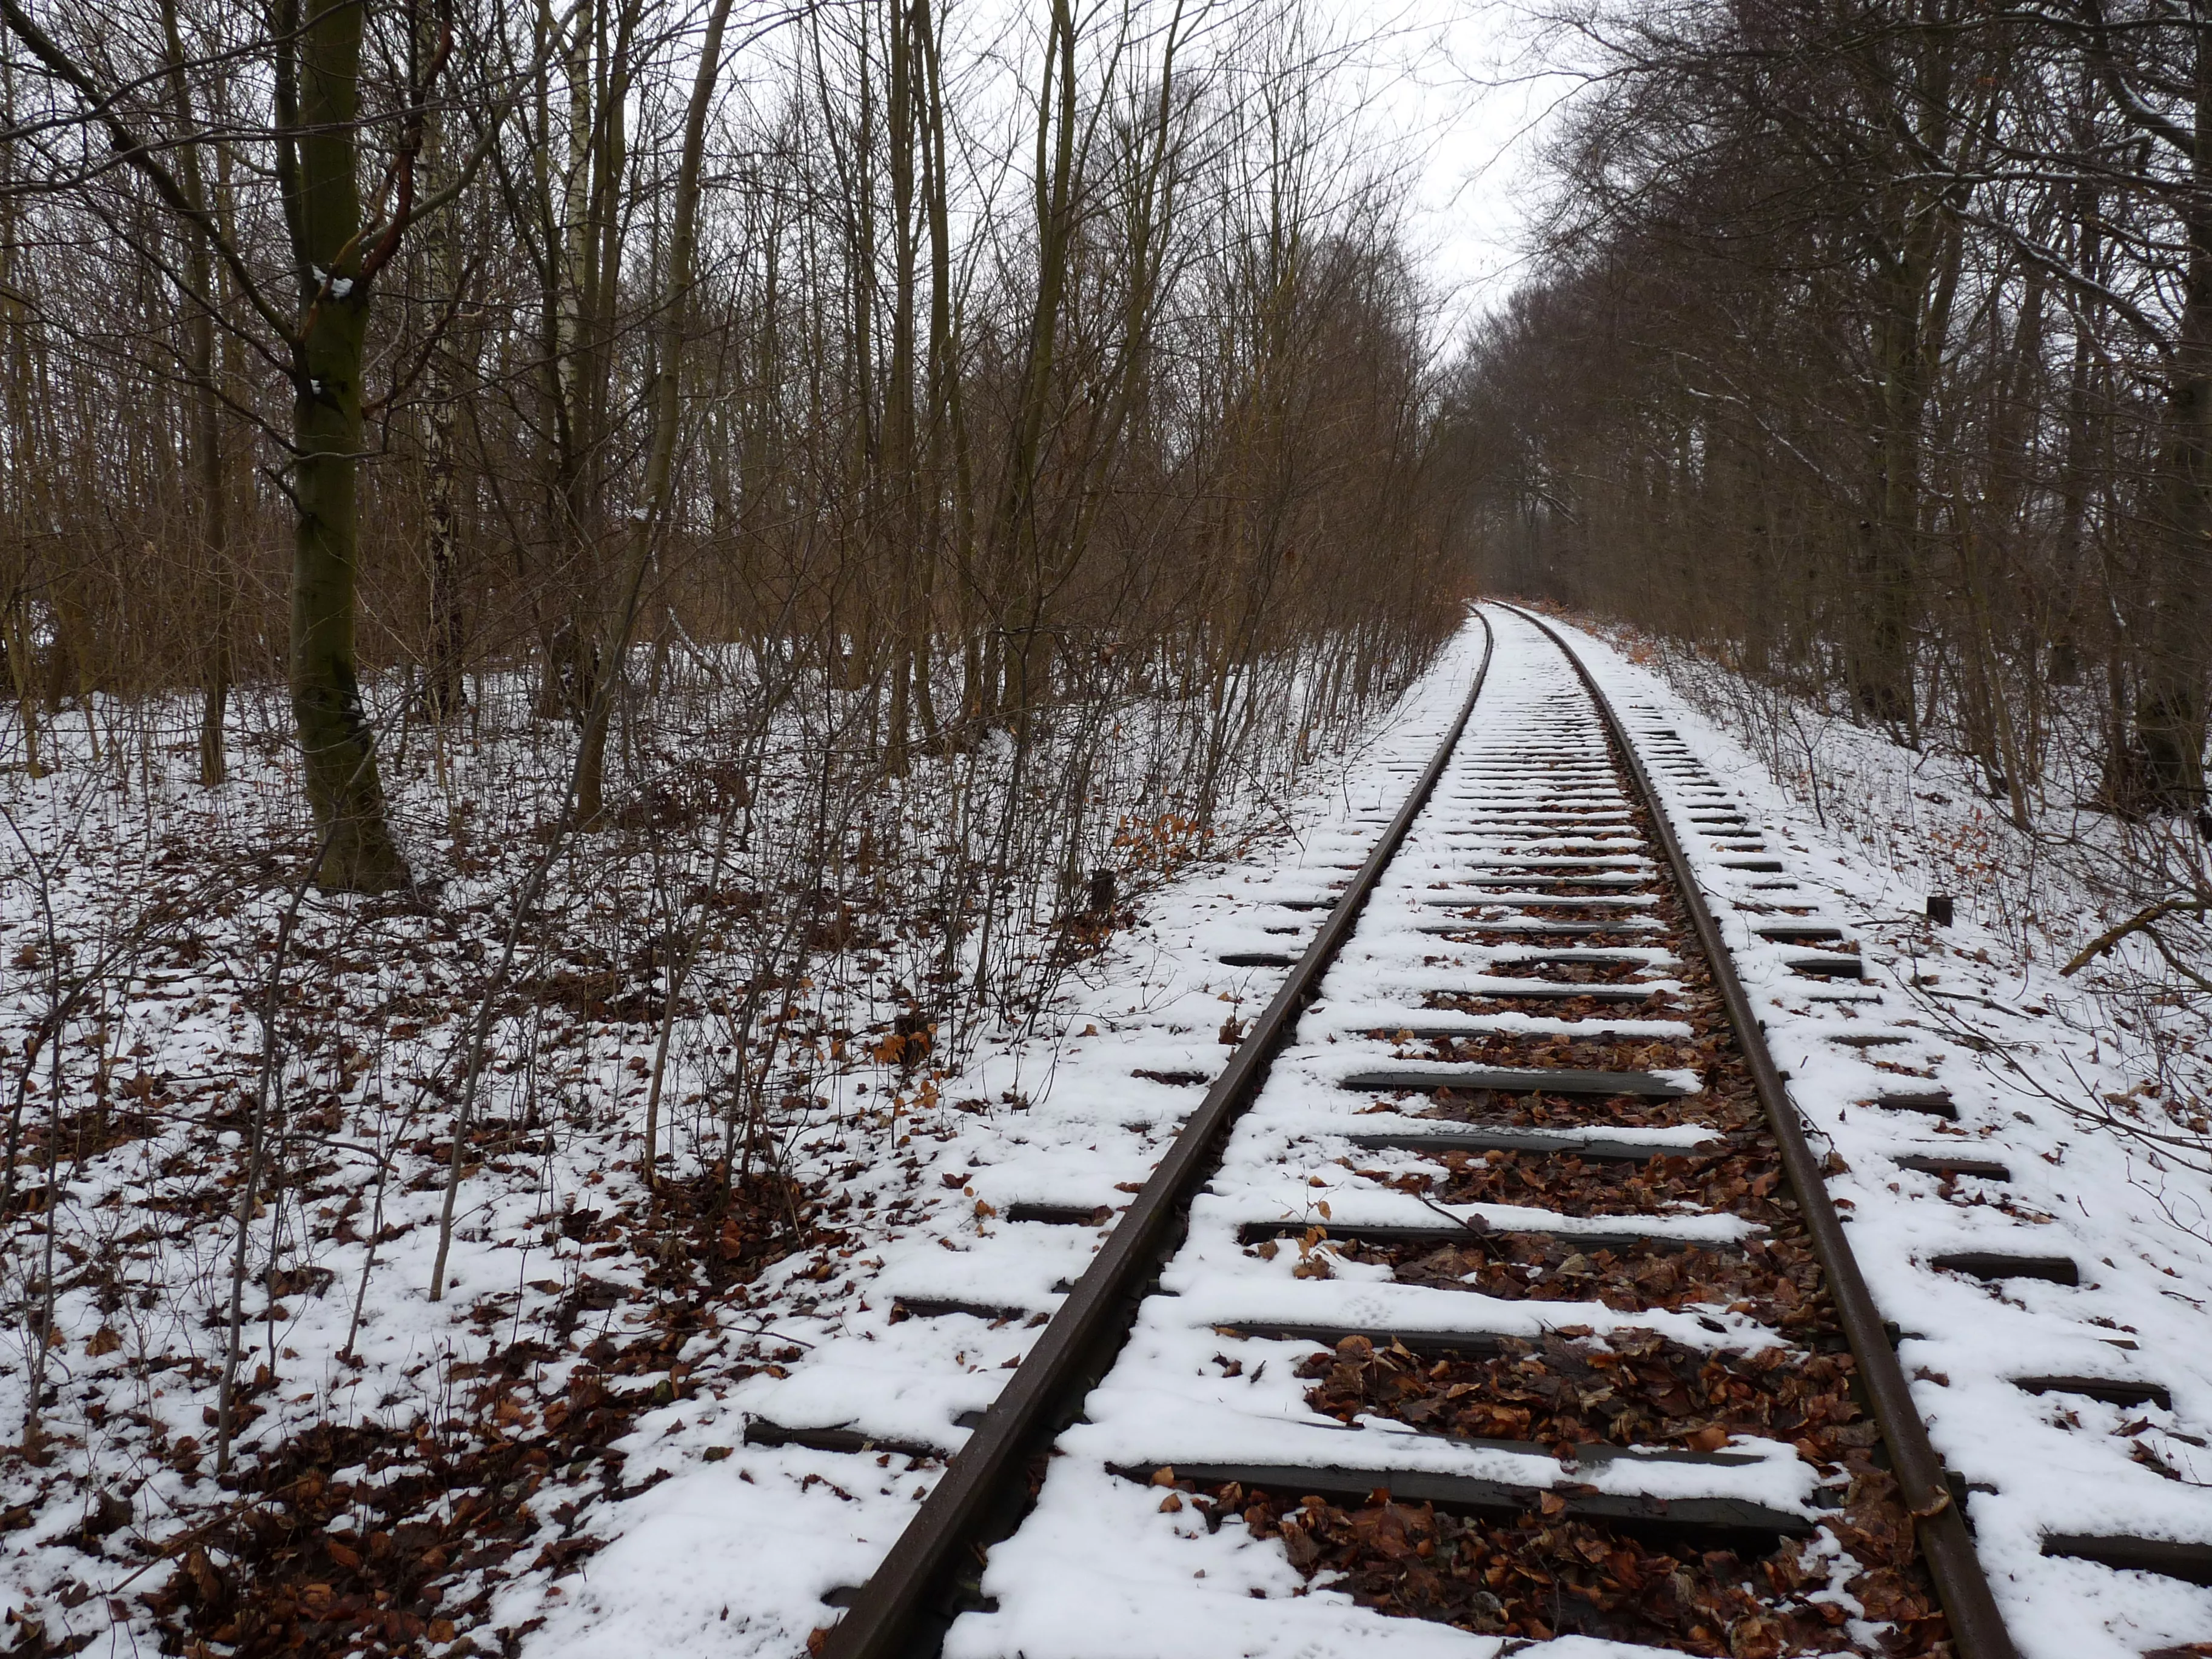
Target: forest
x: 1869, y: 349
x: 604, y: 603
x: 1866, y: 365
x: 581, y: 584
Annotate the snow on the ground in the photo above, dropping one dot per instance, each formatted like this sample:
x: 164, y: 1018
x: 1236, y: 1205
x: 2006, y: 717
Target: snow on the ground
x: 2032, y: 1061
x: 564, y: 1298
x: 711, y: 1545
x: 1098, y: 1570
x: 1086, y: 1131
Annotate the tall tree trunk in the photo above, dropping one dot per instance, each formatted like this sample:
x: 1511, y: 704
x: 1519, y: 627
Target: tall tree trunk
x: 951, y: 501
x: 16, y: 510
x: 898, y: 481
x: 1014, y: 541
x: 210, y: 474
x: 338, y: 750
x: 2065, y: 665
x: 2170, y: 701
x: 663, y: 403
x: 600, y: 76
x: 443, y: 656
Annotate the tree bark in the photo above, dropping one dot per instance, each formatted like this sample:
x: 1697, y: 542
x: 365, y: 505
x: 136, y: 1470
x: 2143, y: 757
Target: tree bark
x: 896, y: 473
x: 1027, y: 632
x: 442, y: 693
x: 339, y: 752
x: 2170, y: 703
x: 665, y: 403
x: 206, y: 433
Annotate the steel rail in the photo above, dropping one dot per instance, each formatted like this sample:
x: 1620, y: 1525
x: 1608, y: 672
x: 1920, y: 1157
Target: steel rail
x: 910, y: 1598
x: 1961, y: 1584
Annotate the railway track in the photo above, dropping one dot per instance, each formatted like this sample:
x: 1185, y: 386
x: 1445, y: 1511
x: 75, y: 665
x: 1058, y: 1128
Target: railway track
x: 1493, y: 1280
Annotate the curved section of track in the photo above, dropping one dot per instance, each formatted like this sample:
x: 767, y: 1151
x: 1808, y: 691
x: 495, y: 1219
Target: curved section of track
x: 1493, y: 1279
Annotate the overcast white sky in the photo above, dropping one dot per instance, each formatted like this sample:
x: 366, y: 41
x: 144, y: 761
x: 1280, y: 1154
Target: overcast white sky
x: 1450, y: 84
x: 1453, y: 79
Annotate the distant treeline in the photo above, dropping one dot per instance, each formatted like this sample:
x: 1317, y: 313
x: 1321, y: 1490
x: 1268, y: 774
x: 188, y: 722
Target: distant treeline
x: 1873, y: 352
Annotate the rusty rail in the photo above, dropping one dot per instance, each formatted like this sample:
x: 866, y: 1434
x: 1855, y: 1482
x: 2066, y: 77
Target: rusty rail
x: 1971, y: 1611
